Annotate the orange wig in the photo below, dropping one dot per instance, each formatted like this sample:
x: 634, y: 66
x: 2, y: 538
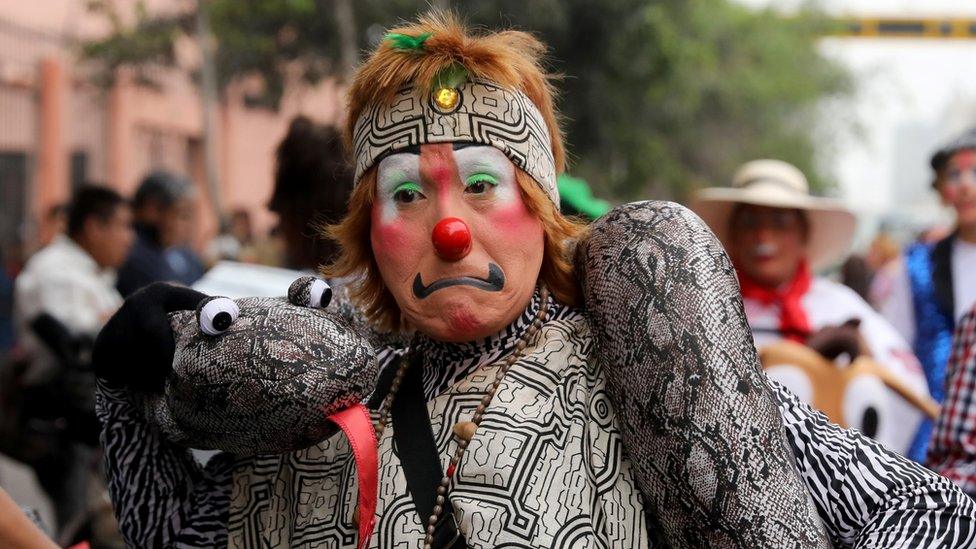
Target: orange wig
x: 511, y: 59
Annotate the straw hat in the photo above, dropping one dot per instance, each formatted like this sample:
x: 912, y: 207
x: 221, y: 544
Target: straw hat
x: 777, y: 184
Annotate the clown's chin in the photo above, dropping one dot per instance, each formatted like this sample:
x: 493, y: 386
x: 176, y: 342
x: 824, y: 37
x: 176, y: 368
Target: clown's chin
x: 463, y: 324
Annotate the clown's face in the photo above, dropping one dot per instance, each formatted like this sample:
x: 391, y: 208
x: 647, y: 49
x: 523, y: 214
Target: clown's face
x: 767, y: 244
x: 454, y: 241
x: 958, y: 186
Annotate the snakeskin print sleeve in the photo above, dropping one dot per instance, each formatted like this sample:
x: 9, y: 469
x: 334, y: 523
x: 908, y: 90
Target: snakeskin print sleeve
x: 698, y: 418
x: 868, y: 496
x: 162, y: 497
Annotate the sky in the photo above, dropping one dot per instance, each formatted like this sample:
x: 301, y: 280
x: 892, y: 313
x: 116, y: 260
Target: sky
x: 912, y: 95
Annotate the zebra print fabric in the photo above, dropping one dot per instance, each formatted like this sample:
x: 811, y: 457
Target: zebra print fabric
x: 161, y: 495
x: 869, y: 496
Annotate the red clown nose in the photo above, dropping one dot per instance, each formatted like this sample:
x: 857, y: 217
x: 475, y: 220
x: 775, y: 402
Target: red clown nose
x: 451, y: 238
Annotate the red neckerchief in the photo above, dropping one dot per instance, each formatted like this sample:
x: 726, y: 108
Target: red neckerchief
x: 793, y: 321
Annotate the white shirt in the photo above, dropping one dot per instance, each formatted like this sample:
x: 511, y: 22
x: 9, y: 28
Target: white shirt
x: 898, y: 306
x: 828, y: 303
x: 63, y: 280
x: 963, y: 277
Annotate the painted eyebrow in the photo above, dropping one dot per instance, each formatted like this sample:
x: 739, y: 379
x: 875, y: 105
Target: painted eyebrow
x: 412, y: 149
x: 457, y: 145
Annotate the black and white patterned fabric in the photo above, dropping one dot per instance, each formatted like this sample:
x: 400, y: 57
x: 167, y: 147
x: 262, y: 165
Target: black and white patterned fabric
x: 665, y: 306
x: 573, y: 402
x: 485, y: 113
x: 161, y: 495
x: 549, y: 436
x: 452, y: 362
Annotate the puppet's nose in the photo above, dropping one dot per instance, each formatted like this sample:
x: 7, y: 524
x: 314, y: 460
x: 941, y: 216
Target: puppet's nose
x: 451, y: 238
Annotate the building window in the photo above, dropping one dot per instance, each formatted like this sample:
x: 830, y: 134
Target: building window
x: 13, y: 196
x: 79, y: 169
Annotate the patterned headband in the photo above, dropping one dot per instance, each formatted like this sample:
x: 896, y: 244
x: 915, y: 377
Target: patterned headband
x: 476, y: 112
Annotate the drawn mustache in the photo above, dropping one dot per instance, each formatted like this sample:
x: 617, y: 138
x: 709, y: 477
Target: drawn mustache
x: 493, y: 283
x: 765, y: 250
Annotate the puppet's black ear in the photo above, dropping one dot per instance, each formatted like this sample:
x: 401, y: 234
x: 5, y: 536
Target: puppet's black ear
x: 135, y: 348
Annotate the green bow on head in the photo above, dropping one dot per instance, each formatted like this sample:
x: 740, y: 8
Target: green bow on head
x: 405, y: 42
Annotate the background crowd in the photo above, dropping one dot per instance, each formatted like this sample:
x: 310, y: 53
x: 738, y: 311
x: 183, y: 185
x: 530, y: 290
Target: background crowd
x: 717, y: 94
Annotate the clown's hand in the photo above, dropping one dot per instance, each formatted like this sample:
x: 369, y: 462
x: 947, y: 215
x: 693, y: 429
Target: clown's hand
x: 247, y: 376
x: 832, y: 342
x: 696, y: 413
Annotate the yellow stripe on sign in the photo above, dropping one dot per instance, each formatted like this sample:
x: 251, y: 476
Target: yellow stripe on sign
x: 894, y: 27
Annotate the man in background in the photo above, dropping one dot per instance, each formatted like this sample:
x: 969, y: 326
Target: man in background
x: 73, y: 277
x: 778, y: 236
x: 164, y: 208
x: 72, y: 281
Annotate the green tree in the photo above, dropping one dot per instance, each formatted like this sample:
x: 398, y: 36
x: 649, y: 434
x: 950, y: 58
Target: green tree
x: 658, y: 97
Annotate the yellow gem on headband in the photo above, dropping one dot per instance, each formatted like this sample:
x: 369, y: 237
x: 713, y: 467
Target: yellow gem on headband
x: 446, y: 98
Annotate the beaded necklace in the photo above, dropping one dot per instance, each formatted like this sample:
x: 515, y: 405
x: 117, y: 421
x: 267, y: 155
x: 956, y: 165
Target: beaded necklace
x: 463, y: 431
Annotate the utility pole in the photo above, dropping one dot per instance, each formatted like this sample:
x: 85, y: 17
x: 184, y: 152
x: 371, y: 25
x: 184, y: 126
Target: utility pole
x: 348, y: 51
x: 208, y: 97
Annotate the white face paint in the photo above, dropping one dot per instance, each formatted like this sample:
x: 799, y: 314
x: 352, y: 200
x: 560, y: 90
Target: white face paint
x: 490, y: 165
x: 479, y: 164
x: 476, y: 185
x: 392, y: 172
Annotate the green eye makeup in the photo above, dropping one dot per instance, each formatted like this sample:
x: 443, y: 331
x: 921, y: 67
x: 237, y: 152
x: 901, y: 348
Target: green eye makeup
x: 482, y: 178
x: 406, y: 192
x: 408, y: 186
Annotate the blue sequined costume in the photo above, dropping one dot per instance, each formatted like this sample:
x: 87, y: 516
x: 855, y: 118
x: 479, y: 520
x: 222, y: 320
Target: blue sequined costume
x: 933, y: 333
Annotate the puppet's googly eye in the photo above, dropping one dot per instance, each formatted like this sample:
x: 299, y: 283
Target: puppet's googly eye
x: 309, y: 291
x: 216, y: 315
x: 866, y: 405
x: 319, y: 294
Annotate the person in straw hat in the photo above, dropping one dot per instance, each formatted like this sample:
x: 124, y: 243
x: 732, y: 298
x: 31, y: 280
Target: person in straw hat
x: 778, y: 235
x: 513, y: 418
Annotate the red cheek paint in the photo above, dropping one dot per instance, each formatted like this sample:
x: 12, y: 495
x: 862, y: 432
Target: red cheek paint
x: 513, y: 217
x: 950, y: 193
x: 963, y: 160
x: 392, y: 238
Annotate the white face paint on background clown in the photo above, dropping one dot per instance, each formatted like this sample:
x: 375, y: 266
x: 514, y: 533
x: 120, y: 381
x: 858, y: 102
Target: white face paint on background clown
x: 454, y: 241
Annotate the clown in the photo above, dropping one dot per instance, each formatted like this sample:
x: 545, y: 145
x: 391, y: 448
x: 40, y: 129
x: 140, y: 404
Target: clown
x: 500, y: 424
x: 777, y: 236
x: 935, y: 285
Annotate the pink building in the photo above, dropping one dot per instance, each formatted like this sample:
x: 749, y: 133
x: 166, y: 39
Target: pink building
x: 57, y: 129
